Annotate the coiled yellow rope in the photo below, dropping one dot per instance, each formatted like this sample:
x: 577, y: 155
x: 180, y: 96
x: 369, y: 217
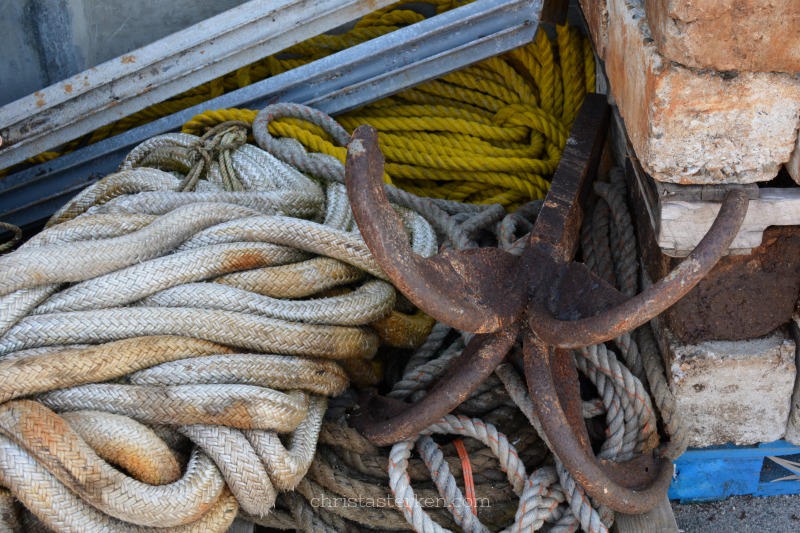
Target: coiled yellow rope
x: 491, y: 133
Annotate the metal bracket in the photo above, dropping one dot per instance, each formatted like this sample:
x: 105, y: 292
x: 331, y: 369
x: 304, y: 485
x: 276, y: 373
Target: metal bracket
x: 117, y: 88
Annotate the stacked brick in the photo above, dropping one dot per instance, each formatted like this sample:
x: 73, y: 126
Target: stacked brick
x: 709, y: 91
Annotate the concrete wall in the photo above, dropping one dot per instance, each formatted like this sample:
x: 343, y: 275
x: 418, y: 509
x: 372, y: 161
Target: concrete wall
x: 46, y: 41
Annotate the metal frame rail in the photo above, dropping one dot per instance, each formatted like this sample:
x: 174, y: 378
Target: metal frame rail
x: 335, y: 84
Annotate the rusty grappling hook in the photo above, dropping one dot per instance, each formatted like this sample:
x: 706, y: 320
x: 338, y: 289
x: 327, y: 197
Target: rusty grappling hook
x: 557, y: 305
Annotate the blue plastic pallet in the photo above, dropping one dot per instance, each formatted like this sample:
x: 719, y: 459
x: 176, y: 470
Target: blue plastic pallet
x: 714, y: 473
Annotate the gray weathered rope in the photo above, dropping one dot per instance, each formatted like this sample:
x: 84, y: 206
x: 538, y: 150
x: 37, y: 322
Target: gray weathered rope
x: 273, y: 371
x: 78, y: 261
x: 238, y: 406
x: 297, y: 280
x: 12, y: 242
x: 133, y: 283
x: 371, y: 301
x: 581, y: 506
x: 54, y: 444
x: 327, y: 167
x: 128, y: 444
x: 243, y: 330
x: 210, y: 265
x: 640, y: 350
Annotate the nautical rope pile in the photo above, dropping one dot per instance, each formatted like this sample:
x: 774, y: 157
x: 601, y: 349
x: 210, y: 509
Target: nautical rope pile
x: 489, y: 133
x: 159, y: 295
x: 169, y: 343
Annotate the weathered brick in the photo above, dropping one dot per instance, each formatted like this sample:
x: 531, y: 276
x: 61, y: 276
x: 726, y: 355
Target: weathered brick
x: 741, y: 35
x: 793, y: 166
x: 697, y: 127
x: 733, y: 391
x: 596, y: 15
x: 793, y: 426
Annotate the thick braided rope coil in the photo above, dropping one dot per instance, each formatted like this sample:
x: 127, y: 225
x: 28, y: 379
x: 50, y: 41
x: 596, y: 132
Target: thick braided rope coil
x: 175, y: 376
x: 553, y: 493
x: 136, y: 309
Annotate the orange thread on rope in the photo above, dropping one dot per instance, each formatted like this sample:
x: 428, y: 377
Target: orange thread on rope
x: 466, y: 468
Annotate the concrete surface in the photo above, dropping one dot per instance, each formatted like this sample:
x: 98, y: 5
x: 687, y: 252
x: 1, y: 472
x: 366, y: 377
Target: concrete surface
x: 733, y: 391
x: 740, y: 514
x: 751, y: 35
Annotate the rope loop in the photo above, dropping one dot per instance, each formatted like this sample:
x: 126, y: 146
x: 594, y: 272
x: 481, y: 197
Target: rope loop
x: 539, y: 494
x: 16, y: 237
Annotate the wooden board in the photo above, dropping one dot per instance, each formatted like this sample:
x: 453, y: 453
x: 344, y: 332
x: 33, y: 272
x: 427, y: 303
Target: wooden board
x: 683, y: 223
x: 681, y: 215
x: 659, y: 520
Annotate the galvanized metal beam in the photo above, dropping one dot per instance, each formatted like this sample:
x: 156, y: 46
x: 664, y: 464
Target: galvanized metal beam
x: 334, y: 84
x: 188, y: 58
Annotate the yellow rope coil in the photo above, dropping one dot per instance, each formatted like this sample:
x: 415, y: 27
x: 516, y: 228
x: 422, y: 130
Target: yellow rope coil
x: 490, y: 133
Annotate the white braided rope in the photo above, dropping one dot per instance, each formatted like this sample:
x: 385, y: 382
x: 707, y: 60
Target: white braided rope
x: 298, y: 280
x: 50, y: 440
x: 255, y: 463
x: 27, y: 372
x: 288, y: 203
x: 138, y: 281
x: 243, y: 330
x: 60, y: 509
x: 272, y: 371
x: 238, y: 406
x: 15, y: 306
x: 78, y: 261
x: 129, y: 181
x: 137, y: 254
x: 89, y: 227
x: 371, y: 301
x: 128, y: 444
x: 400, y: 482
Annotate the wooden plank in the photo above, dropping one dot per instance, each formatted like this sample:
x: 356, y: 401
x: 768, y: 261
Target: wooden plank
x: 682, y: 214
x: 684, y: 223
x: 669, y: 192
x: 659, y: 520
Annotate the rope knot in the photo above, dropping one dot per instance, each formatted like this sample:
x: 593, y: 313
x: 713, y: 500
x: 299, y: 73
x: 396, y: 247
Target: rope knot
x: 216, y: 145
